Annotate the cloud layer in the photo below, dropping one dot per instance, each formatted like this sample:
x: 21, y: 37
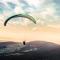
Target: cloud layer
x: 46, y: 12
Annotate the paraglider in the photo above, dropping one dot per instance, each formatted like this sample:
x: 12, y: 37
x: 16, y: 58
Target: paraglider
x: 20, y: 15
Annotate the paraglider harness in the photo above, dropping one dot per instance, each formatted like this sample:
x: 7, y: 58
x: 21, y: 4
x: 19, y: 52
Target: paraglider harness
x: 24, y: 43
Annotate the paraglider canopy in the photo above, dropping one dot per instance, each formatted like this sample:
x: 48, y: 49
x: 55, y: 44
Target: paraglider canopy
x: 20, y: 15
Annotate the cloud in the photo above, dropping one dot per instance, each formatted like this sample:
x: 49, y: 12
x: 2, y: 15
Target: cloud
x: 46, y: 12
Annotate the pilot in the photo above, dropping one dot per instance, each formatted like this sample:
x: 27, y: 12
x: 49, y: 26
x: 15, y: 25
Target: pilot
x: 24, y: 42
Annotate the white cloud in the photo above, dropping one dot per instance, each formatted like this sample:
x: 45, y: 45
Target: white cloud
x: 48, y: 11
x: 32, y: 2
x: 18, y: 10
x: 35, y: 3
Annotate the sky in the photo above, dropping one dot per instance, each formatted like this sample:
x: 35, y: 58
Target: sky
x: 45, y: 12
